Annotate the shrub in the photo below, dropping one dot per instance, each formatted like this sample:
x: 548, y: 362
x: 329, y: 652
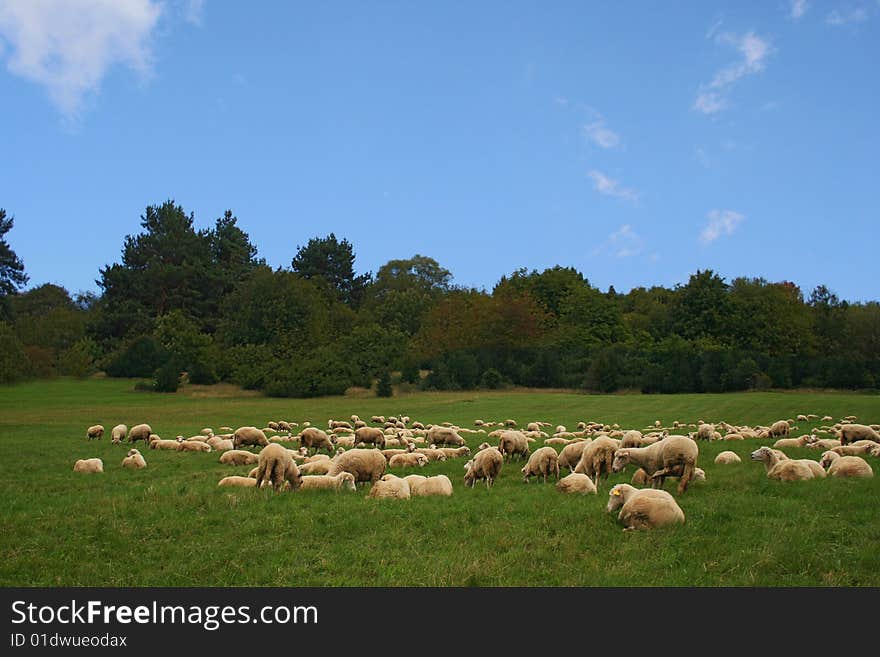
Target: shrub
x: 167, y: 377
x: 140, y: 359
x: 383, y: 385
x: 492, y: 379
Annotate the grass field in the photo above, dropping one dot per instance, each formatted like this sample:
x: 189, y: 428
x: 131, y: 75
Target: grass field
x: 170, y: 525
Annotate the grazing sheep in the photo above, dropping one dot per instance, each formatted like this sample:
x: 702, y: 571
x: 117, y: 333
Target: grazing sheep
x: 277, y: 466
x: 543, y: 461
x: 342, y: 481
x: 576, y: 483
x: 239, y: 457
x: 88, y: 465
x: 370, y: 435
x: 140, y: 432
x: 850, y: 433
x: 571, y: 454
x: 158, y: 443
x: 486, y: 465
x: 420, y: 486
x: 364, y: 464
x: 513, y: 443
x: 235, y: 480
x: 408, y: 460
x: 705, y: 431
x: 641, y: 478
x: 675, y: 456
x: 533, y: 426
x: 314, y: 438
x: 631, y: 438
x: 193, y: 446
x: 390, y: 487
x: 790, y: 470
x: 249, y: 436
x: 643, y: 509
x: 727, y: 458
x: 845, y: 466
x: 118, y: 433
x: 95, y: 432
x: 439, y: 435
x: 597, y: 458
x: 779, y: 428
x: 134, y: 459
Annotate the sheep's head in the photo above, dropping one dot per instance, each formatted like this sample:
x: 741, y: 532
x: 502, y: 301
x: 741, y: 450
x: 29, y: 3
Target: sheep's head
x: 615, y: 498
x: 761, y: 454
x: 348, y: 481
x: 132, y: 452
x: 828, y: 458
x: 422, y: 460
x: 699, y: 474
x: 621, y: 460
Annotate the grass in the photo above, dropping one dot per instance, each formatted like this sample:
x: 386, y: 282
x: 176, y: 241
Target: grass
x: 170, y: 525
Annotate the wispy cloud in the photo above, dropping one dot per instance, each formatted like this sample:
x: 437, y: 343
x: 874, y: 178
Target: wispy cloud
x: 625, y: 242
x: 838, y: 18
x: 68, y: 47
x: 798, y: 9
x: 721, y: 222
x: 610, y: 187
x: 194, y: 11
x: 601, y: 135
x: 754, y: 50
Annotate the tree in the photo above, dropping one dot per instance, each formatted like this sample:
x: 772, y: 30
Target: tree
x: 701, y: 307
x: 332, y: 261
x: 383, y: 385
x: 12, y: 276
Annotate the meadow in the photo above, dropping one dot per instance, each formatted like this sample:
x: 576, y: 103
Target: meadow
x: 170, y: 525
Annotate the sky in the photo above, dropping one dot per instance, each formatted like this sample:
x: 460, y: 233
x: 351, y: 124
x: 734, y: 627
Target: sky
x: 635, y: 141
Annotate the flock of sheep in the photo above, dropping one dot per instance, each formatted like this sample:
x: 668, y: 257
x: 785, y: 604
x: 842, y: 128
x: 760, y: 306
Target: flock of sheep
x: 354, y: 452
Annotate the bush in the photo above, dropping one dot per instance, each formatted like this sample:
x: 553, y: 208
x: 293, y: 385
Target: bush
x: 167, y: 377
x: 139, y: 359
x: 202, y: 374
x: 492, y: 379
x: 13, y: 361
x: 383, y: 385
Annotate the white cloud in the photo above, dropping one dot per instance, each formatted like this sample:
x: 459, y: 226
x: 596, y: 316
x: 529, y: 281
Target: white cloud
x: 798, y: 9
x: 610, y: 187
x: 625, y: 242
x: 601, y: 135
x: 69, y: 46
x: 721, y: 222
x: 194, y: 11
x: 754, y: 51
x: 838, y: 18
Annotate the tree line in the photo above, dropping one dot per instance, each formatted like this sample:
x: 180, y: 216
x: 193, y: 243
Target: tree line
x: 183, y: 304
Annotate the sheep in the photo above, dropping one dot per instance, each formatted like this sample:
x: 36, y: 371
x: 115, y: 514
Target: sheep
x: 334, y: 424
x: 845, y: 466
x: 118, y: 433
x: 346, y: 441
x: 316, y: 467
x: 200, y: 438
x: 193, y: 446
x: 823, y: 443
x: 239, y: 457
x: 276, y: 465
x: 486, y: 465
x: 134, y: 459
x: 510, y: 423
x: 640, y: 478
x: 792, y: 442
x: 727, y: 458
x: 370, y: 435
x: 221, y: 444
x: 390, y: 487
x: 88, y: 465
x: 779, y: 428
x: 533, y: 426
x: 542, y: 462
x: 571, y: 454
x: 733, y: 435
x: 597, y: 458
x: 849, y: 433
x: 855, y: 449
x: 364, y: 464
x: 802, y: 418
x: 452, y: 452
x: 241, y: 482
x: 408, y: 460
x: 378, y: 419
x: 790, y: 470
x: 420, y: 486
x: 576, y: 483
x: 674, y: 456
x: 95, y: 431
x: 513, y: 443
x: 163, y: 444
x: 705, y: 431
x: 312, y: 437
x: 249, y: 436
x: 342, y: 481
x: 643, y: 509
x: 631, y: 438
x: 140, y: 432
x: 438, y: 435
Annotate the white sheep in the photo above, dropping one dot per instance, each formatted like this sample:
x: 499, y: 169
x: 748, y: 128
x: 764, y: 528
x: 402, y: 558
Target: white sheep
x: 239, y: 457
x: 408, y: 460
x: 420, y: 486
x: 342, y: 481
x: 513, y: 443
x: 845, y: 466
x: 643, y: 508
x: 850, y: 433
x: 576, y: 483
x: 192, y: 446
x: 364, y: 464
x: 88, y: 465
x: 727, y: 458
x: 118, y: 433
x: 95, y: 431
x: 485, y: 465
x: 543, y: 462
x: 789, y: 470
x: 390, y: 487
x: 597, y: 458
x: 249, y: 436
x: 134, y: 459
x: 276, y: 465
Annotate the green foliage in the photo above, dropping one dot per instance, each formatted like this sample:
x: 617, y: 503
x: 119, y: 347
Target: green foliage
x: 332, y: 262
x: 143, y: 356
x: 603, y: 373
x: 492, y: 379
x: 14, y: 364
x: 168, y: 376
x: 383, y: 385
x: 79, y: 359
x: 12, y: 276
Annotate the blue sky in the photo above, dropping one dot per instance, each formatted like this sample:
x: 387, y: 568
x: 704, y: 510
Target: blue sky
x: 635, y: 141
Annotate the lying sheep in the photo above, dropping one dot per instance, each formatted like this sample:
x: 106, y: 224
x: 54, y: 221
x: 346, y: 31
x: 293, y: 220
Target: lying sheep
x: 485, y: 465
x: 408, y: 460
x: 779, y: 428
x: 140, y: 432
x: 576, y: 483
x: 801, y: 441
x: 541, y: 463
x: 321, y: 467
x: 643, y: 509
x: 370, y: 436
x: 641, y: 478
x: 845, y: 466
x: 390, y: 487
x: 134, y: 459
x: 88, y: 465
x: 823, y: 443
x: 244, y: 436
x: 850, y: 433
x: 513, y: 443
x: 118, y: 433
x: 342, y: 481
x: 675, y: 456
x: 790, y: 470
x: 239, y: 457
x: 277, y: 466
x: 439, y: 435
x: 420, y: 486
x: 193, y: 446
x: 158, y: 443
x: 314, y: 438
x: 364, y: 464
x: 571, y: 454
x: 221, y: 444
x: 727, y: 458
x: 95, y: 431
x: 235, y: 480
x: 597, y: 458
x: 857, y: 448
x: 452, y: 452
